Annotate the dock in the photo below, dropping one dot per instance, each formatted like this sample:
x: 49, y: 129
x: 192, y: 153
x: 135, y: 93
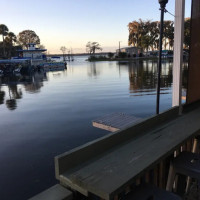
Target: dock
x: 115, y: 121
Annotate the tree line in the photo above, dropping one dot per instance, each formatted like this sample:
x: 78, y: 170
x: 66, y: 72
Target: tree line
x: 10, y: 42
x: 145, y: 34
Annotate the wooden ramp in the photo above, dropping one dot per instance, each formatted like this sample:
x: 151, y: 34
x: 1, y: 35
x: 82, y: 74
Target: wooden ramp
x: 115, y: 121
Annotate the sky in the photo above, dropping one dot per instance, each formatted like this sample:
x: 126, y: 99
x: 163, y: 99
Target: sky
x: 73, y: 23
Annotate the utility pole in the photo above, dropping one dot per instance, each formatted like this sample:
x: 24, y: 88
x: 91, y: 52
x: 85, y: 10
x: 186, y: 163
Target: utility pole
x: 119, y: 47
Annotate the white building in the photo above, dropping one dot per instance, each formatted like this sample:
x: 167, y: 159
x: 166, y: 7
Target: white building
x: 130, y: 51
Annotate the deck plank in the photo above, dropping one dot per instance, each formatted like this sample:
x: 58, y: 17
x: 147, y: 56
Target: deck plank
x: 115, y: 121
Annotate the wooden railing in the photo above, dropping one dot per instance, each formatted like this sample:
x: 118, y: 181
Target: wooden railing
x: 111, y: 166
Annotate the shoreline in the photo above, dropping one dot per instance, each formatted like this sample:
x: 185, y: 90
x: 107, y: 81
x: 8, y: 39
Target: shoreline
x: 124, y: 59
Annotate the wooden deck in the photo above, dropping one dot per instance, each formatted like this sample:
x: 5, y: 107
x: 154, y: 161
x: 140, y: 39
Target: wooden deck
x: 115, y: 121
x: 108, y: 165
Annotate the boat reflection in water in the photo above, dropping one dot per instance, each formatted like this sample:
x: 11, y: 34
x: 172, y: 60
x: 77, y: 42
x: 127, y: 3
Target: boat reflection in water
x: 11, y: 87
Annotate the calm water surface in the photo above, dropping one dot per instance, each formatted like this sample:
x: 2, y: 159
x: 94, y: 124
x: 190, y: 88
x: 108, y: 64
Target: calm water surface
x: 44, y: 115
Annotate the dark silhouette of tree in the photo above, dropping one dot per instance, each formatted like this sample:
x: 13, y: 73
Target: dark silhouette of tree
x: 91, y: 47
x: 110, y: 55
x: 10, y: 40
x: 3, y: 31
x: 27, y: 36
x: 63, y: 49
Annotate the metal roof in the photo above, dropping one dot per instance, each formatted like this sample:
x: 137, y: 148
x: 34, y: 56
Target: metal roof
x: 32, y: 50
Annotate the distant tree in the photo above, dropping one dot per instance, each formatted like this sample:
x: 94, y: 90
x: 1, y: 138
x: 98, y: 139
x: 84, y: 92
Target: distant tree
x: 154, y: 33
x: 3, y: 31
x: 110, y: 54
x: 11, y: 38
x: 145, y: 34
x: 134, y: 33
x: 40, y: 46
x: 91, y: 47
x: 168, y: 33
x: 27, y: 36
x: 140, y: 34
x: 63, y: 49
x: 122, y: 55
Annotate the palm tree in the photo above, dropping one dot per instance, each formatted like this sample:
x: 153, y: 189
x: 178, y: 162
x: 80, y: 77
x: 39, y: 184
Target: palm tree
x: 10, y: 40
x: 3, y: 32
x: 12, y: 37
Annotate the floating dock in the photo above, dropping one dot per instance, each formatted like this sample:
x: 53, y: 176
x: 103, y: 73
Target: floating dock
x: 115, y: 121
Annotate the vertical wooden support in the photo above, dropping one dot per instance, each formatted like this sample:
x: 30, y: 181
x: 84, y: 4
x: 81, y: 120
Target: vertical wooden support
x: 189, y: 146
x: 138, y: 181
x: 183, y: 147
x: 178, y: 53
x: 177, y: 152
x: 147, y: 177
x: 171, y: 178
x: 116, y: 197
x: 193, y: 92
x: 155, y: 175
x: 162, y: 175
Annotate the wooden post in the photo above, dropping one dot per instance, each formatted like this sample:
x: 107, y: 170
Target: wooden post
x: 193, y: 92
x: 155, y: 175
x: 178, y: 53
x: 162, y: 175
x: 147, y: 177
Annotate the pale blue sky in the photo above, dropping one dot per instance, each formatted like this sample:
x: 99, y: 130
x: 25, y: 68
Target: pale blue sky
x: 72, y: 23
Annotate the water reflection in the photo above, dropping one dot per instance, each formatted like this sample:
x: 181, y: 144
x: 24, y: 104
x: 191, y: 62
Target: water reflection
x: 2, y: 96
x: 14, y: 93
x: 143, y: 76
x: 33, y: 83
x: 93, y: 71
x: 11, y: 87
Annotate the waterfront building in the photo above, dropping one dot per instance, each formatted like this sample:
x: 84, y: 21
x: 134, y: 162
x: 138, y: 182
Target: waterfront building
x: 130, y: 51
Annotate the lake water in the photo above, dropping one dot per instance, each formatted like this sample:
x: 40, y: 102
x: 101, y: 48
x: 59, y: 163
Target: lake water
x: 44, y: 115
